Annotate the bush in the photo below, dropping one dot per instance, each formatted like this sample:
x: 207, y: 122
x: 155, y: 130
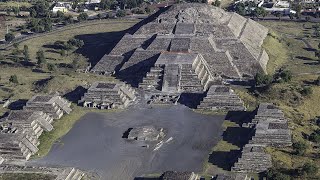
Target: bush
x: 14, y: 79
x: 82, y: 16
x: 306, y: 91
x: 276, y: 175
x: 285, y: 76
x: 309, y: 169
x: 262, y: 79
x: 315, y: 136
x: 76, y: 42
x: 121, y: 13
x: 9, y: 37
x: 51, y: 67
x: 300, y: 147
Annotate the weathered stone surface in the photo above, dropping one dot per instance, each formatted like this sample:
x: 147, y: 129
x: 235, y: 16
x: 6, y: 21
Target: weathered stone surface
x: 53, y: 105
x: 229, y: 44
x: 108, y: 95
x: 271, y: 128
x: 253, y: 159
x: 220, y: 97
x: 174, y: 175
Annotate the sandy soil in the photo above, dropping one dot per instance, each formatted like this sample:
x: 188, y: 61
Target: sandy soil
x: 95, y: 143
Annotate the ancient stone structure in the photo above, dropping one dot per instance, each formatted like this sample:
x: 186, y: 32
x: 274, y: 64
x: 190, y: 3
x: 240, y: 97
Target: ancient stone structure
x: 185, y: 50
x: 271, y: 128
x: 146, y: 133
x: 53, y: 105
x: 235, y: 176
x: 220, y: 97
x: 67, y: 173
x: 174, y: 175
x: 253, y: 159
x: 20, y: 132
x: 107, y: 95
x: 17, y: 143
x: 31, y: 119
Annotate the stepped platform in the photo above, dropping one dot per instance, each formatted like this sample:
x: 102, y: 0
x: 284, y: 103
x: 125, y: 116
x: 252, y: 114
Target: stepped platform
x: 229, y: 43
x: 53, y: 105
x: 253, y: 159
x: 220, y: 97
x: 108, y: 95
x: 16, y: 142
x: 271, y: 128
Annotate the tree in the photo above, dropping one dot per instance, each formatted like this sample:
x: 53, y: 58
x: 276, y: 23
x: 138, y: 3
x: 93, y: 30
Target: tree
x: 75, y: 42
x: 274, y: 174
x: 41, y: 60
x: 263, y: 79
x: 79, y: 62
x: 309, y: 169
x: 317, y: 82
x: 299, y: 147
x: 9, y: 37
x: 82, y: 17
x: 317, y: 54
x: 131, y: 4
x: 306, y: 91
x: 16, y: 10
x: 13, y: 79
x: 51, y: 67
x: 291, y: 16
x: 278, y: 15
x: 315, y: 136
x: 26, y: 52
x: 259, y: 11
x: 216, y: 3
x: 8, y: 11
x: 308, y: 18
x: 121, y: 13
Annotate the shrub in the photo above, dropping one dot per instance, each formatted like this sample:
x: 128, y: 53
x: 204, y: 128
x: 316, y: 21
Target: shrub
x: 309, y: 169
x: 306, y: 91
x: 82, y: 16
x: 9, y: 37
x: 14, y: 79
x: 121, y: 13
x: 274, y: 174
x: 51, y: 67
x: 262, y: 79
x: 300, y: 147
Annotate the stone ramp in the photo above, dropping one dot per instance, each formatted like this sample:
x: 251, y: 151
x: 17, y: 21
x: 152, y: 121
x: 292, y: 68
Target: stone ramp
x: 70, y: 174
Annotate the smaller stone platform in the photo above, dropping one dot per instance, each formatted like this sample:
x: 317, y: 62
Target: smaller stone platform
x: 53, y: 105
x: 146, y: 133
x: 220, y: 97
x: 253, y: 159
x: 108, y: 95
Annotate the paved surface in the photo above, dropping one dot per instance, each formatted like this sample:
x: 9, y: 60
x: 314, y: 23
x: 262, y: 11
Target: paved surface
x: 95, y: 143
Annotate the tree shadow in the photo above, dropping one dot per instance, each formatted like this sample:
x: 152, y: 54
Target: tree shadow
x: 311, y: 63
x: 310, y: 49
x: 224, y: 159
x: 17, y: 105
x: 309, y: 82
x: 76, y: 94
x: 303, y: 58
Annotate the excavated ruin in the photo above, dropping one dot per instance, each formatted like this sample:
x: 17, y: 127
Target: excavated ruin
x: 186, y: 49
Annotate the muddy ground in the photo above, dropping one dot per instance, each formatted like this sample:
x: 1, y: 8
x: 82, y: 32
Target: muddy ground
x: 95, y: 143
